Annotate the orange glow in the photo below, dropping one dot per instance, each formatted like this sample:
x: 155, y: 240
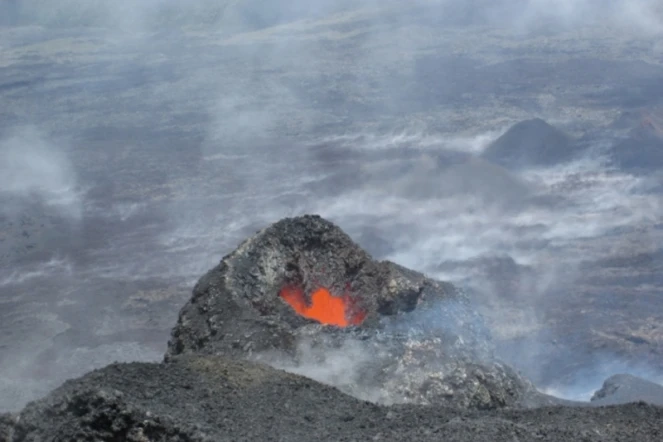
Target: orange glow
x: 324, y: 307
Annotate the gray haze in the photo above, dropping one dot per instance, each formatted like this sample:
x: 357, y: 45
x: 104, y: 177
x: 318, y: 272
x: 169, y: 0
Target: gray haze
x: 142, y: 141
x: 238, y: 15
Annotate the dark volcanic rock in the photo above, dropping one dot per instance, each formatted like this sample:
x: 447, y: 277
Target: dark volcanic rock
x: 7, y: 425
x: 420, y: 340
x: 211, y: 399
x: 236, y: 306
x: 625, y: 388
x: 531, y: 143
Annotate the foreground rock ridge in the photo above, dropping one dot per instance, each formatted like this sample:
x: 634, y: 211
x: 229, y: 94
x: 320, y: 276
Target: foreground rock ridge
x: 210, y: 398
x: 412, y: 345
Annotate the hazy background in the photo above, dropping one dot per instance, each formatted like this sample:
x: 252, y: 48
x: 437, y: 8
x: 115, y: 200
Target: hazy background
x: 142, y: 141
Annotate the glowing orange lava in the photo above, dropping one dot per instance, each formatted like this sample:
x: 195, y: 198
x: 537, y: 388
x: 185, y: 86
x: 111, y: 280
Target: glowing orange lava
x: 324, y: 307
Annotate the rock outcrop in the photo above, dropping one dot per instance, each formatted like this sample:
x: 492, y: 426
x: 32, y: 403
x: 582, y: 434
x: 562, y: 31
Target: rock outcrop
x: 236, y: 308
x: 419, y: 339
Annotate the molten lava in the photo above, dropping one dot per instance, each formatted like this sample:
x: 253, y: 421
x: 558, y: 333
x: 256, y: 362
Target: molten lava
x: 325, y: 308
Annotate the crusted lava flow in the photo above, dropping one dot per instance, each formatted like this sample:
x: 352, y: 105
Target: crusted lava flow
x: 324, y: 307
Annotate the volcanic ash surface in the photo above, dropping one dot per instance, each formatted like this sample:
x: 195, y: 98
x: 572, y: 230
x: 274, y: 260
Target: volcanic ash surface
x: 302, y: 296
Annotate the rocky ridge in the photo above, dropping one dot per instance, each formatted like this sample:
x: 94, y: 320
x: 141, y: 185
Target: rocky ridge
x: 208, y: 398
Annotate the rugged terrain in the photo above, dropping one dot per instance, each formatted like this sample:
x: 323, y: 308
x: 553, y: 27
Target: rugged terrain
x: 302, y: 289
x: 441, y: 367
x: 136, y: 155
x: 211, y: 399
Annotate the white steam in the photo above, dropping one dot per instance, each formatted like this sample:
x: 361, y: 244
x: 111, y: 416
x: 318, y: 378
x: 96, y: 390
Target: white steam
x: 639, y: 16
x: 340, y: 367
x: 55, y: 266
x: 30, y: 166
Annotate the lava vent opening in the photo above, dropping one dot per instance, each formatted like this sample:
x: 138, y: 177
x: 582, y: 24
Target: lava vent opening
x: 322, y: 306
